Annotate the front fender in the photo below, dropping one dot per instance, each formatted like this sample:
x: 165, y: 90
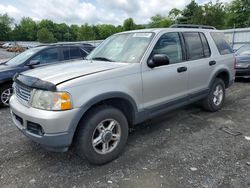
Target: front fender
x: 84, y: 108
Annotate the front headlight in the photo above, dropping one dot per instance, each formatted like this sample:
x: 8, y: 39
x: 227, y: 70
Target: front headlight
x: 48, y: 100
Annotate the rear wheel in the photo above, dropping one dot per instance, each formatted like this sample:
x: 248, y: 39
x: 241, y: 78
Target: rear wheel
x: 216, y: 97
x: 6, y: 92
x: 102, y: 135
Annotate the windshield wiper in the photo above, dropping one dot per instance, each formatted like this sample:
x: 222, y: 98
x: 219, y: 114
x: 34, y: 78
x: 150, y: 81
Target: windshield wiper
x: 3, y: 63
x: 102, y: 59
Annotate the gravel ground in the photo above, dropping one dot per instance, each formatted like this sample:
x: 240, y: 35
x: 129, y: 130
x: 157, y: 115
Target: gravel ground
x: 5, y: 54
x: 185, y: 148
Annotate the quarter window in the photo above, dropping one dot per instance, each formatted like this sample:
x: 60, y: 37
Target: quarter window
x: 221, y: 43
x: 170, y: 45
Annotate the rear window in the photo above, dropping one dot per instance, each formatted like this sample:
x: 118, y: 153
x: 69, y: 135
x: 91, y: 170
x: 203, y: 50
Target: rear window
x: 72, y: 53
x: 194, y: 45
x: 221, y: 43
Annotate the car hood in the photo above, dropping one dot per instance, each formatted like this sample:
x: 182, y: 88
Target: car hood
x: 243, y: 59
x: 6, y: 68
x: 63, y: 72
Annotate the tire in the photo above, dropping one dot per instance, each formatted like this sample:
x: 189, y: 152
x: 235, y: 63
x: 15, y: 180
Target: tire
x: 216, y: 97
x: 96, y: 126
x: 5, y: 93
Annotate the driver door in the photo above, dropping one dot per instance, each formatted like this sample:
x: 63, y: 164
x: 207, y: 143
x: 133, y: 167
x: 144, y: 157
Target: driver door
x: 166, y: 86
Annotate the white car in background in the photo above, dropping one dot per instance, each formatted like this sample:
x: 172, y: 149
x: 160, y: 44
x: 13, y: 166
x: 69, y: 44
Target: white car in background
x: 7, y: 45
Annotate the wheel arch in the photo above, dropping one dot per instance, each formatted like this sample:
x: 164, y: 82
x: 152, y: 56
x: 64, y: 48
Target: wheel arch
x: 119, y: 100
x: 222, y: 74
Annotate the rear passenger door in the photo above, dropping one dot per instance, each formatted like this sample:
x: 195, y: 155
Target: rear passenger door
x: 201, y: 64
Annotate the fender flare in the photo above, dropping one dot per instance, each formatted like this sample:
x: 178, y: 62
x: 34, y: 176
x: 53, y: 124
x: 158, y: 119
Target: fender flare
x: 105, y: 96
x: 216, y: 74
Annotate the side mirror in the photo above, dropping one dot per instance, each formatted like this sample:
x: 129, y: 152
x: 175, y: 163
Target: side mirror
x: 32, y: 63
x: 158, y: 60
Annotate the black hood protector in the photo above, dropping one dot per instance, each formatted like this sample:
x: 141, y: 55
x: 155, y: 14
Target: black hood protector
x: 35, y: 83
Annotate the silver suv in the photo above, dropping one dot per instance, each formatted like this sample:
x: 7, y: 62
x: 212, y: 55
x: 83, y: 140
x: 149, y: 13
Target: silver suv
x: 131, y: 77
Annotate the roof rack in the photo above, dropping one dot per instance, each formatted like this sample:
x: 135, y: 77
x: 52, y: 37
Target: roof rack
x: 66, y: 43
x: 192, y: 26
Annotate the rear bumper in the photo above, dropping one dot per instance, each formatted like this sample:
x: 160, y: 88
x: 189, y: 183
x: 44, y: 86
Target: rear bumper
x: 243, y: 73
x: 51, y: 129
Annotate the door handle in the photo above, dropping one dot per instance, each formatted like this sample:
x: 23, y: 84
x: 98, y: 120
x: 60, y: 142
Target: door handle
x: 211, y: 63
x: 182, y: 69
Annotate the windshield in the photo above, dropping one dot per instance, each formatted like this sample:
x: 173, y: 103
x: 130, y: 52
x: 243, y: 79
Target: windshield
x: 126, y: 47
x: 22, y: 57
x: 244, y: 50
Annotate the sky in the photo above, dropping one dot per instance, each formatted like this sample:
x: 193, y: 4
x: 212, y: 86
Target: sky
x: 91, y: 11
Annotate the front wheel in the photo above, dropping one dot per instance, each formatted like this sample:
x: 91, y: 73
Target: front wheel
x: 6, y: 92
x: 216, y: 97
x: 102, y: 135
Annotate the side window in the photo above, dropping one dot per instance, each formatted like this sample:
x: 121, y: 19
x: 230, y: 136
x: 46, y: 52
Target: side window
x: 193, y: 45
x: 170, y: 45
x: 221, y: 43
x: 47, y: 56
x: 205, y: 45
x: 75, y: 53
x: 66, y: 55
x: 83, y: 53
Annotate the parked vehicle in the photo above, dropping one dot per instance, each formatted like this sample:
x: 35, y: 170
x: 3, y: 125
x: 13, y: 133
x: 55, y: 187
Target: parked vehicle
x: 37, y: 57
x: 131, y: 77
x: 7, y: 45
x: 243, y: 62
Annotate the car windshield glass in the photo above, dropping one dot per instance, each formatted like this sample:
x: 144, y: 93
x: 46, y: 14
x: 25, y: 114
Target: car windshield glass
x: 22, y: 57
x: 126, y: 47
x: 244, y: 50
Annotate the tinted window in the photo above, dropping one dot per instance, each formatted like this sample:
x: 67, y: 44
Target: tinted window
x: 221, y: 43
x: 205, y: 45
x: 47, y: 56
x: 75, y: 53
x: 83, y: 53
x: 193, y: 45
x: 170, y: 45
x: 66, y: 55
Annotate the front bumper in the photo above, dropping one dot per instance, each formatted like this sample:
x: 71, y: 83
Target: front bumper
x: 54, y: 126
x: 243, y: 73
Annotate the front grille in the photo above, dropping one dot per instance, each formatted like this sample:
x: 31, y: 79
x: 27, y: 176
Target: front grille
x: 22, y: 92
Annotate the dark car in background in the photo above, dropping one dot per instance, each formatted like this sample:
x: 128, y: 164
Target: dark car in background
x: 36, y: 57
x: 243, y: 62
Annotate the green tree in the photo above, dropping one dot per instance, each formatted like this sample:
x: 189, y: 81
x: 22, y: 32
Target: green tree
x: 86, y: 32
x: 175, y: 14
x: 106, y: 30
x: 62, y: 32
x: 74, y: 29
x: 48, y: 24
x: 238, y: 14
x: 159, y: 21
x: 45, y: 36
x: 129, y: 24
x: 214, y: 14
x: 192, y: 14
x: 27, y: 29
x: 5, y: 26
